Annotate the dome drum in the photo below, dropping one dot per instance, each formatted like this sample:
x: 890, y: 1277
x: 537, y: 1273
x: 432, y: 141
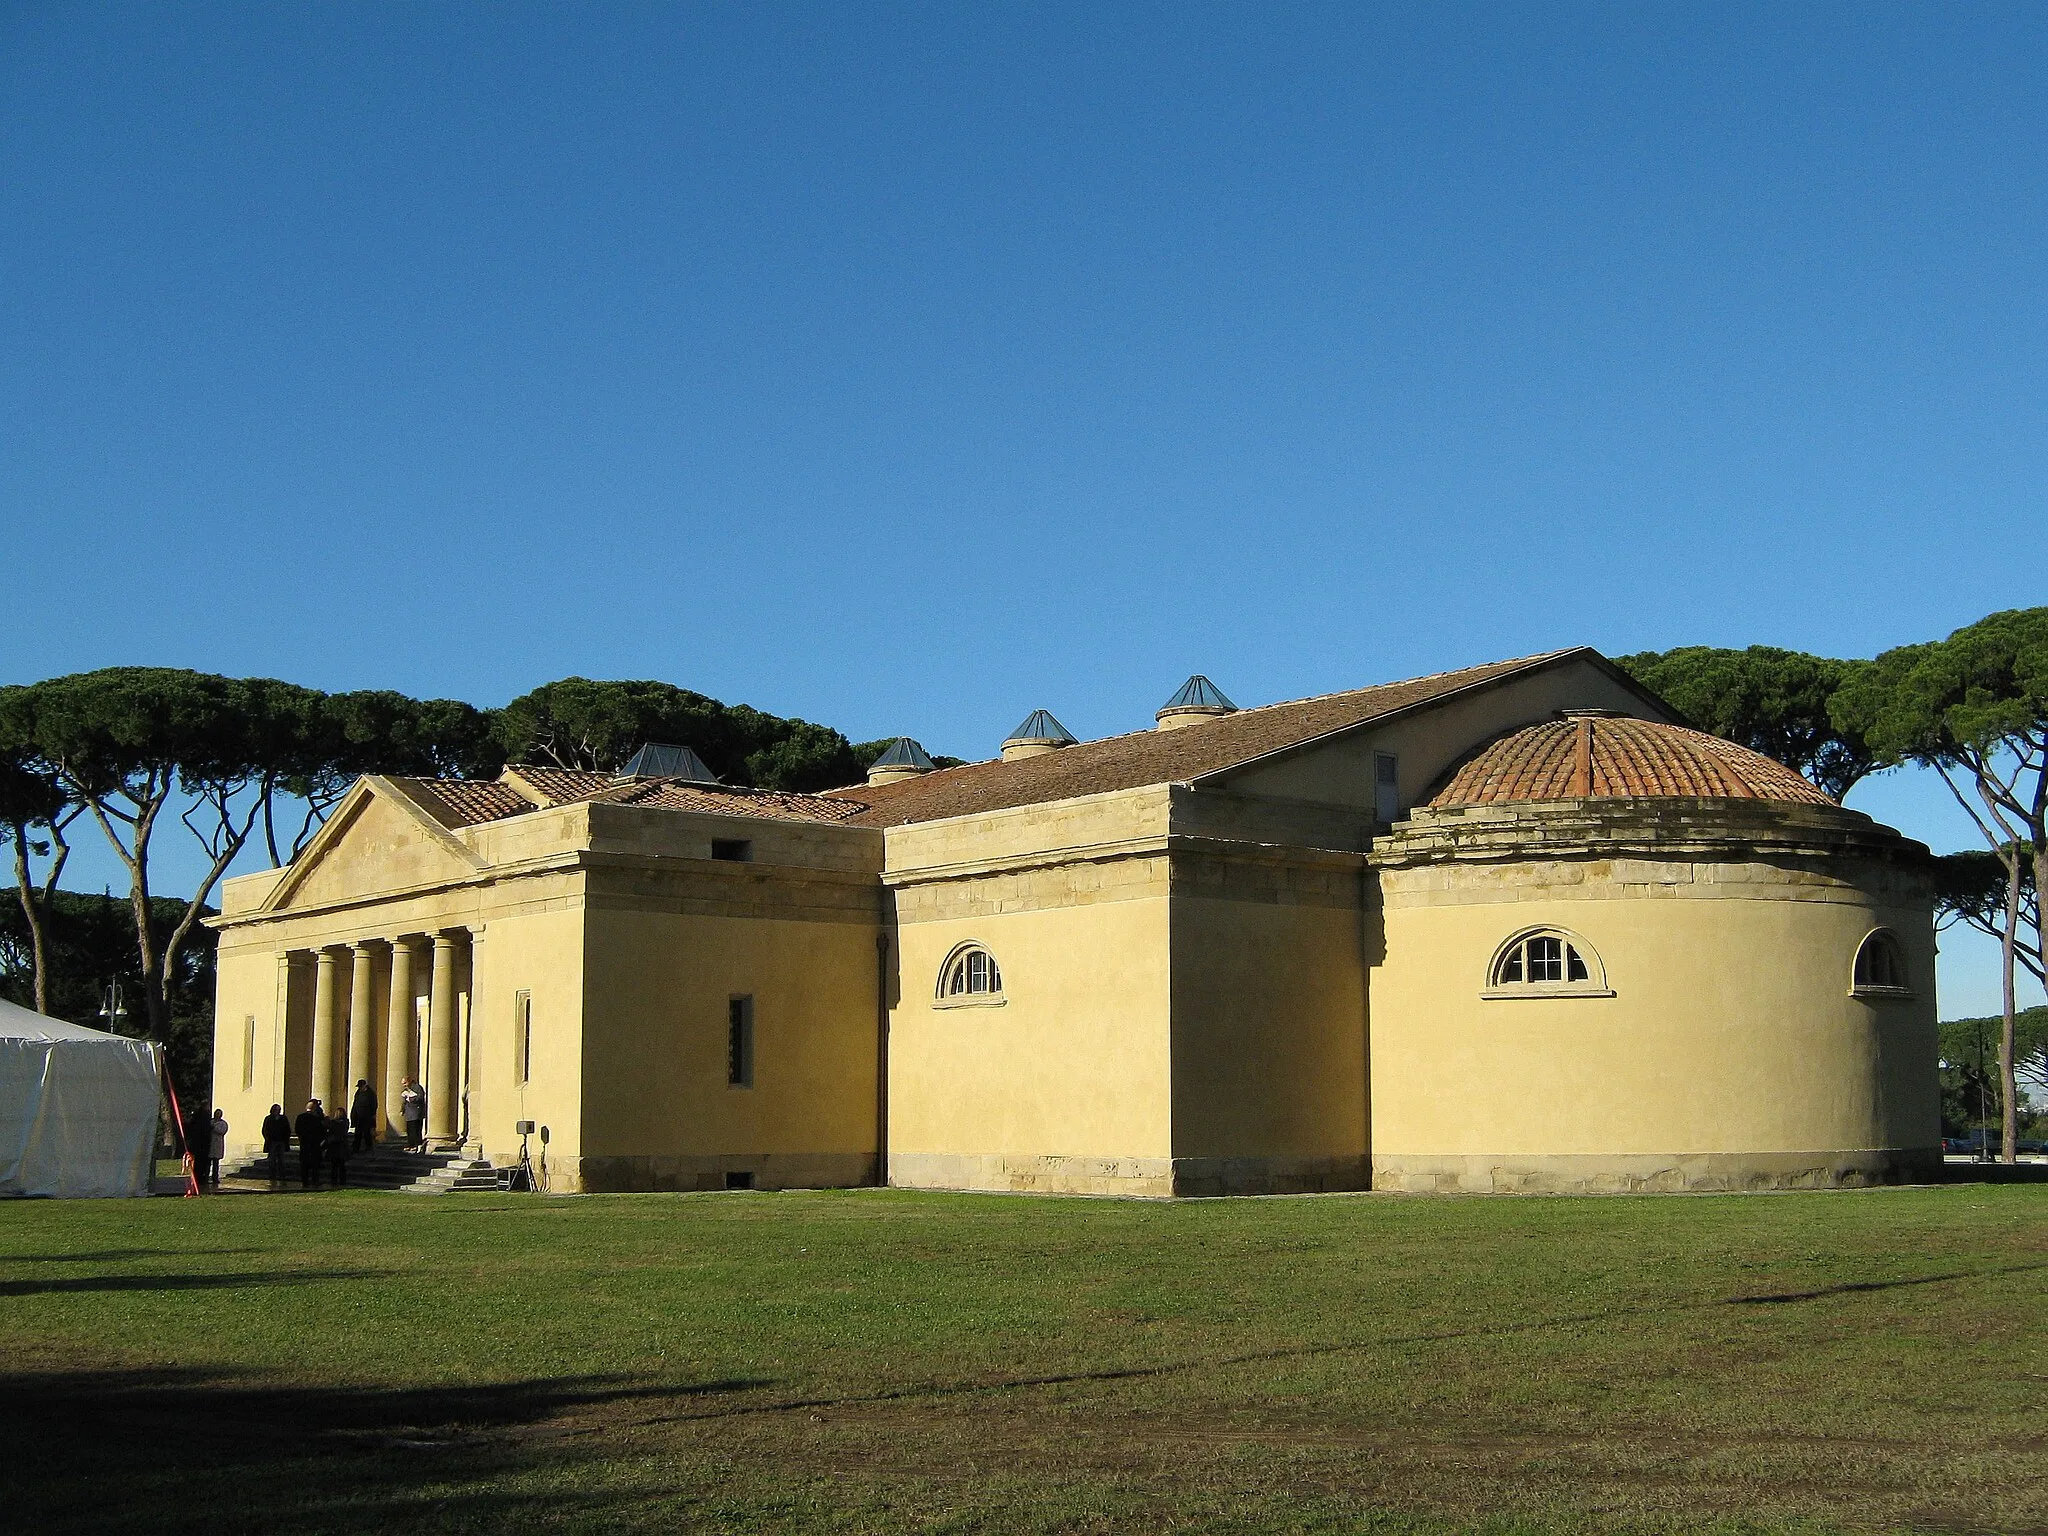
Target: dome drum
x: 1651, y: 958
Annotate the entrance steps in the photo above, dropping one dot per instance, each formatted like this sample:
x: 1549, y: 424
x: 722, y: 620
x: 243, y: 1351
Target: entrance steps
x: 386, y: 1168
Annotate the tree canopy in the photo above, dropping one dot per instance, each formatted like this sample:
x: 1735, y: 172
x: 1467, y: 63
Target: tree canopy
x: 1772, y: 701
x: 1971, y: 887
x: 1974, y: 708
x: 580, y: 723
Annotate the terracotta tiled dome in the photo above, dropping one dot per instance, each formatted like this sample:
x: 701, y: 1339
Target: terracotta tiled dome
x: 1599, y: 756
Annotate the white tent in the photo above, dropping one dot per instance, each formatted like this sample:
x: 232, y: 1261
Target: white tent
x: 78, y: 1108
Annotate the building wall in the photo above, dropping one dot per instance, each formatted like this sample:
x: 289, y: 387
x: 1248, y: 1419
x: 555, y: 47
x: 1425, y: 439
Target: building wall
x: 1269, y: 1065
x: 1066, y: 1084
x: 537, y: 946
x: 249, y: 985
x: 671, y: 941
x: 1731, y: 1055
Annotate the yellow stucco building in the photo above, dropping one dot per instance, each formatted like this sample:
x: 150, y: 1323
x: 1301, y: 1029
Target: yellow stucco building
x: 1512, y: 927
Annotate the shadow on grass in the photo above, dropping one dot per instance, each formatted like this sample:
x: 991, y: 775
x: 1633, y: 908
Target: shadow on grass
x: 244, y: 1281
x: 939, y: 1390
x: 173, y: 1449
x: 123, y: 1255
x: 1851, y: 1287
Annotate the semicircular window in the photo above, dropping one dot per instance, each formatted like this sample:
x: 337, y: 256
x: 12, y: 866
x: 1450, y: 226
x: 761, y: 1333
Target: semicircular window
x: 1880, y: 966
x: 1546, y: 962
x: 970, y: 975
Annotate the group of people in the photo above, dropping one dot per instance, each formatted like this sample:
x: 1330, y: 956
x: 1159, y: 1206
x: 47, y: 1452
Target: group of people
x: 326, y: 1142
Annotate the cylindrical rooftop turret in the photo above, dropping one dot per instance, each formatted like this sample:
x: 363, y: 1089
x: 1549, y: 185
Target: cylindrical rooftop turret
x: 905, y: 759
x: 1040, y: 733
x: 1198, y: 700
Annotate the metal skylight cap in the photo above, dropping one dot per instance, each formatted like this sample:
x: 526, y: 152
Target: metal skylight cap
x: 1040, y: 725
x: 905, y: 753
x: 1198, y: 699
x: 662, y: 760
x: 904, y: 759
x: 1040, y: 733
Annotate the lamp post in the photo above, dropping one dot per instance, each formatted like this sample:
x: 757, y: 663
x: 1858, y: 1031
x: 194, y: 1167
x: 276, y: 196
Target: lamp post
x: 1983, y: 1127
x: 112, y: 1009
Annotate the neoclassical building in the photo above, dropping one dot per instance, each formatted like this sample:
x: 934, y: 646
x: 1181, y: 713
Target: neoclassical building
x: 1513, y: 927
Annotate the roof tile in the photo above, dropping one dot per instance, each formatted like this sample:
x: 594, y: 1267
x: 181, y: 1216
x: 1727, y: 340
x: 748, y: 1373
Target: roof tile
x: 1156, y: 757
x: 1628, y: 758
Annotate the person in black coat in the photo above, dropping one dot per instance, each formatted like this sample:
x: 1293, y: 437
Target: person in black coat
x: 337, y: 1149
x: 277, y: 1141
x: 362, y: 1114
x: 311, y: 1130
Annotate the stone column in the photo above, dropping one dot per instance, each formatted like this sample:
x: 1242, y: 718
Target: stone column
x: 398, y: 1022
x: 362, y: 1017
x: 444, y: 1028
x: 280, y: 1027
x: 324, y: 1024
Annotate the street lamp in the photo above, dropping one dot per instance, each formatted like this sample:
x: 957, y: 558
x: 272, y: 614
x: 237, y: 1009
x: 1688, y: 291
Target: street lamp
x: 111, y: 1006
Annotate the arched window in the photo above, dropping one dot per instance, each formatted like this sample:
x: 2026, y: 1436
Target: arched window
x: 1880, y: 967
x: 970, y: 975
x: 1546, y: 962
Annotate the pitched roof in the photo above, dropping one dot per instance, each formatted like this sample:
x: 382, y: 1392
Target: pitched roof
x: 1161, y: 757
x: 471, y: 802
x: 1587, y: 757
x: 557, y: 786
x: 732, y: 800
x: 467, y: 802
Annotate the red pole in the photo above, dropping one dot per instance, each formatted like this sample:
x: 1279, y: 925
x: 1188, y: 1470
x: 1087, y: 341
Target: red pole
x: 178, y: 1119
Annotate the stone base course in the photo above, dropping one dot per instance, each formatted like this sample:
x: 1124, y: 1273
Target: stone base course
x: 1595, y: 1174
x: 1139, y: 1177
x: 771, y: 1170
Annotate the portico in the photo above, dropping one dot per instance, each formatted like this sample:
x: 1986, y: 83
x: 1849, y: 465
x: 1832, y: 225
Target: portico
x: 356, y: 1009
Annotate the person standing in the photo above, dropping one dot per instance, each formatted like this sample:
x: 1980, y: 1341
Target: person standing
x: 362, y: 1114
x: 337, y: 1149
x: 311, y: 1129
x: 216, y: 1146
x: 412, y: 1108
x: 277, y: 1141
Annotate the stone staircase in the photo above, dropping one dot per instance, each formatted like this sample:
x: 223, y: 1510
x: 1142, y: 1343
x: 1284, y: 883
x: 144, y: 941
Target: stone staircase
x: 387, y: 1168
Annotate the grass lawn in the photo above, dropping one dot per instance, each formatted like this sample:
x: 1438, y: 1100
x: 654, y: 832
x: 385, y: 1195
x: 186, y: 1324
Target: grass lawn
x: 882, y: 1361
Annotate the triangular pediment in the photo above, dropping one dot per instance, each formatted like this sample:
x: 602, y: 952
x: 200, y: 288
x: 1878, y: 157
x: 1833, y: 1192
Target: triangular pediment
x: 376, y: 841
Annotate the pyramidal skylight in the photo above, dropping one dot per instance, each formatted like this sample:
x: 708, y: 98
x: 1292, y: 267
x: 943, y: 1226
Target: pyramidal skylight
x: 660, y: 760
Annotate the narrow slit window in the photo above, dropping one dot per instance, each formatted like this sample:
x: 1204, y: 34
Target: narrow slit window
x: 1386, y: 786
x: 735, y: 850
x: 249, y: 1051
x: 522, y: 1036
x: 739, y: 1042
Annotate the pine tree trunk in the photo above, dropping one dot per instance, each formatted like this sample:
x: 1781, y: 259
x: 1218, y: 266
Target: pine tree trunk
x: 31, y: 909
x: 2009, y: 1126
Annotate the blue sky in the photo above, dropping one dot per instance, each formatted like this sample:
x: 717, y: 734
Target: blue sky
x: 910, y: 367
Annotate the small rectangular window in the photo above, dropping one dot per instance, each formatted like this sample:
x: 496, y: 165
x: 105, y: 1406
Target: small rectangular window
x: 739, y: 1181
x: 739, y: 1042
x: 1386, y: 774
x: 737, y: 849
x: 249, y: 1050
x: 522, y: 1036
